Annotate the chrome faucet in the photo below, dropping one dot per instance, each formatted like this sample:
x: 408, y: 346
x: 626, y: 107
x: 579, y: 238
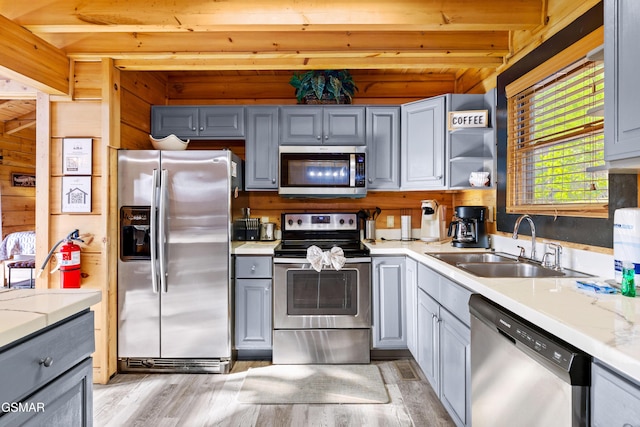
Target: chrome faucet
x: 533, y: 233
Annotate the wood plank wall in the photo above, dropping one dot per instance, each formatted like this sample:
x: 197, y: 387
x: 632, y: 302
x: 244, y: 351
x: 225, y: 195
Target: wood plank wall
x: 81, y: 116
x: 18, y: 204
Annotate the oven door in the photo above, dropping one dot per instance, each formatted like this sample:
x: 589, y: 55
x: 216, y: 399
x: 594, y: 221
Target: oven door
x: 304, y: 298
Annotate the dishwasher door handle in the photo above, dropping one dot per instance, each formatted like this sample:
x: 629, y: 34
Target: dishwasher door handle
x: 507, y: 336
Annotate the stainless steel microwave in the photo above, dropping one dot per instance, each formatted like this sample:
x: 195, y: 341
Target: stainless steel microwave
x: 322, y: 171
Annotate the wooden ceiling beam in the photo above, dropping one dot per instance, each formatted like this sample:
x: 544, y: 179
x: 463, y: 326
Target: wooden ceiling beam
x: 50, y: 16
x: 176, y: 62
x: 31, y: 60
x: 14, y: 126
x: 12, y: 89
x: 447, y: 41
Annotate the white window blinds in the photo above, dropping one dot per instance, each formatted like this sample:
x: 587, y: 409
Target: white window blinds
x: 555, y: 140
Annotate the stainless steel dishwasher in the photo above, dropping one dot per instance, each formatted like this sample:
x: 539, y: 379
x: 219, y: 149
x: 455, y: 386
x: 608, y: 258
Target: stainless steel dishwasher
x: 521, y: 375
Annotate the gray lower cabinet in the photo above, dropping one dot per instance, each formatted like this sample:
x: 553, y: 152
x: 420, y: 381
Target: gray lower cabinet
x: 411, y: 306
x: 47, y: 379
x: 253, y: 282
x: 615, y: 400
x: 444, y: 341
x: 389, y: 320
x: 383, y: 148
x: 316, y: 125
x: 422, y: 144
x: 621, y: 85
x: 198, y: 122
x: 261, y: 148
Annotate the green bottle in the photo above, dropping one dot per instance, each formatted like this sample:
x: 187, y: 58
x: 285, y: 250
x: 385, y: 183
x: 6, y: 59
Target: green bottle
x: 628, y: 287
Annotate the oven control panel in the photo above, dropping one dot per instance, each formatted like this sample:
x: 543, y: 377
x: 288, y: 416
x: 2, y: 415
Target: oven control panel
x: 320, y: 222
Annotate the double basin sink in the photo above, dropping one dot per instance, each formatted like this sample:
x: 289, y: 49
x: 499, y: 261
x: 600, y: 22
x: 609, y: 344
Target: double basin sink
x: 500, y: 264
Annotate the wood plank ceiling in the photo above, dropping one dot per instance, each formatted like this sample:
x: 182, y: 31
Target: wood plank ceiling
x: 449, y: 38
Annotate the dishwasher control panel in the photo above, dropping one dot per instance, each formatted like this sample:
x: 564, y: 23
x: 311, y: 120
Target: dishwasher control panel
x: 545, y: 347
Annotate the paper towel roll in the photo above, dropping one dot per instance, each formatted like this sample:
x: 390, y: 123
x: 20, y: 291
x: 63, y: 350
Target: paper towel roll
x: 405, y: 227
x: 626, y: 240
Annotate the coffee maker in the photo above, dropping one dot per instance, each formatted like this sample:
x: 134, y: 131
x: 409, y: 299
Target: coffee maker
x: 468, y: 229
x: 430, y: 224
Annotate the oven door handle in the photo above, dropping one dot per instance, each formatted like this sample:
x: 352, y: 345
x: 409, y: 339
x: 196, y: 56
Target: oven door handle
x: 357, y: 260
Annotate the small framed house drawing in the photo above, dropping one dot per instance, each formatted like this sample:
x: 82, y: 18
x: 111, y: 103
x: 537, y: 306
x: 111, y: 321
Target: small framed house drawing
x: 76, y: 156
x: 76, y: 194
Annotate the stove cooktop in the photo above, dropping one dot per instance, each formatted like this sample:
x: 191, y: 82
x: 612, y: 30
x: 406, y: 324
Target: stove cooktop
x: 325, y: 230
x: 298, y: 248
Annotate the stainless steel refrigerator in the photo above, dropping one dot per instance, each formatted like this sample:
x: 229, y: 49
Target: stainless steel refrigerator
x: 174, y: 284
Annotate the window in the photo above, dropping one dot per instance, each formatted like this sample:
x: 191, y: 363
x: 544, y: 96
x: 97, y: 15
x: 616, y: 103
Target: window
x: 556, y: 142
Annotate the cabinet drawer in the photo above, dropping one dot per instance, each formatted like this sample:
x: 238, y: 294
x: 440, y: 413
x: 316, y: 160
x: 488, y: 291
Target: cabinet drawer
x: 67, y: 401
x: 455, y: 298
x: 250, y: 267
x: 429, y: 281
x: 24, y: 369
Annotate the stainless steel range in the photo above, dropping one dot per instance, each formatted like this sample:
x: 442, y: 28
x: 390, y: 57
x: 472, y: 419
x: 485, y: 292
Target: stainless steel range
x: 321, y: 316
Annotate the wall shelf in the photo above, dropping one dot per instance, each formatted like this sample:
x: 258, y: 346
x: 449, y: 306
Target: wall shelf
x: 471, y: 149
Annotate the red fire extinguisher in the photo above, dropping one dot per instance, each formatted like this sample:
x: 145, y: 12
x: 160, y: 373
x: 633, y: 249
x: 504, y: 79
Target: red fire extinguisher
x: 68, y: 261
x: 69, y: 265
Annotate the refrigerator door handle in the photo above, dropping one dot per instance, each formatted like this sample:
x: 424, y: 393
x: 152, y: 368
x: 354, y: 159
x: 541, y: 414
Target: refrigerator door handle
x: 154, y: 231
x: 162, y: 229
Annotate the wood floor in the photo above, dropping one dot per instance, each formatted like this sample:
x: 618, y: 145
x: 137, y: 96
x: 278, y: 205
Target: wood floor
x: 159, y: 400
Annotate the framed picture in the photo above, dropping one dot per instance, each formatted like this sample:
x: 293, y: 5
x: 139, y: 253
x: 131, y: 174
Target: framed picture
x: 23, y: 179
x: 76, y: 156
x: 76, y: 194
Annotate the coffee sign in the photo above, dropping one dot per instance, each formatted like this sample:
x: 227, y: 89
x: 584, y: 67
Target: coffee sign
x: 468, y: 119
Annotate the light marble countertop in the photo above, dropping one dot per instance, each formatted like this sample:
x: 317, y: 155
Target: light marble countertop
x: 24, y: 311
x: 254, y: 247
x: 605, y: 326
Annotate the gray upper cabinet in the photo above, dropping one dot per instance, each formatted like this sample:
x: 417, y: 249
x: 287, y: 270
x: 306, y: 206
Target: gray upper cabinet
x: 180, y: 121
x: 622, y: 87
x: 315, y: 125
x: 261, y: 149
x: 383, y: 148
x: 206, y: 122
x: 422, y: 145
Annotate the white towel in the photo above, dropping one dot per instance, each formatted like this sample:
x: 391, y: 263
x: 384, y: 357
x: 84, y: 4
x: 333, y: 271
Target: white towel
x: 333, y: 258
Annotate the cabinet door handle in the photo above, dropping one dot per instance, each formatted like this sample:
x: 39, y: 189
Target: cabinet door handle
x: 46, y: 362
x: 326, y: 137
x: 318, y: 137
x: 253, y: 267
x: 370, y: 180
x: 193, y: 129
x: 202, y: 128
x: 273, y: 181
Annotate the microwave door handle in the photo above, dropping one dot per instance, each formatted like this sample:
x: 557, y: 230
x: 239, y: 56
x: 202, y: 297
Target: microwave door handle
x: 162, y: 229
x: 153, y: 223
x: 352, y: 170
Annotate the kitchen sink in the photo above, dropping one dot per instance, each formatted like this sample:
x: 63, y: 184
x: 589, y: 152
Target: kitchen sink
x: 454, y: 258
x: 498, y: 264
x: 516, y: 269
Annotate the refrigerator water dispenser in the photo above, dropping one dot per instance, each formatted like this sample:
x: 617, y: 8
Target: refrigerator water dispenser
x: 135, y: 238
